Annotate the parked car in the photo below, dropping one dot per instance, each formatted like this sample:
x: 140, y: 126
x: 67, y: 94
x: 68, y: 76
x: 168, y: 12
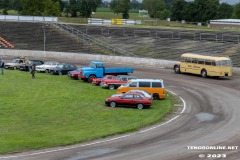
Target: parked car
x: 115, y: 83
x: 46, y: 66
x: 129, y: 99
x: 75, y: 73
x: 31, y: 62
x: 15, y: 63
x: 62, y: 68
x: 153, y: 86
x: 97, y: 81
x: 144, y: 93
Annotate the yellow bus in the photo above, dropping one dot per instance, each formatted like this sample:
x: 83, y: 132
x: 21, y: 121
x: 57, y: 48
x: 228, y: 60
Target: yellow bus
x: 204, y: 65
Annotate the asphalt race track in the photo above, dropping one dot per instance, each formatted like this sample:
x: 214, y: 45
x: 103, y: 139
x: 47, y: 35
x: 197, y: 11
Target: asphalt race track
x: 210, y: 118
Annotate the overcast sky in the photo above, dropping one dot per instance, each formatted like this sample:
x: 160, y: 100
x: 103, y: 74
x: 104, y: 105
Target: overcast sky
x: 227, y: 1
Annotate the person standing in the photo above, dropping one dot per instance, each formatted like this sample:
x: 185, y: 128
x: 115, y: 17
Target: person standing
x: 2, y: 64
x: 27, y: 65
x: 33, y: 71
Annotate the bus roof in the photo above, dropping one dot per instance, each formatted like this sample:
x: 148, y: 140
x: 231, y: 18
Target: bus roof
x: 193, y: 55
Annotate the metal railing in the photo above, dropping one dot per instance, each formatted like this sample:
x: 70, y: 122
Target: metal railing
x: 91, y: 40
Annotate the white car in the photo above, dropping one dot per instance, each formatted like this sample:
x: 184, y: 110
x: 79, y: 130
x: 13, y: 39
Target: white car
x: 142, y: 92
x: 14, y: 64
x: 46, y: 66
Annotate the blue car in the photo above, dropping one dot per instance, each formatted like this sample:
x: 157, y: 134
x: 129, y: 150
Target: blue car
x: 62, y: 69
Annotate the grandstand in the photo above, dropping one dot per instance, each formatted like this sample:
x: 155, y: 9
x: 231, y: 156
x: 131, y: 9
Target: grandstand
x: 142, y: 42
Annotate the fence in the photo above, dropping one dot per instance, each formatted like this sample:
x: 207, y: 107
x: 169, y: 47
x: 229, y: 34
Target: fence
x: 113, y: 21
x: 28, y: 18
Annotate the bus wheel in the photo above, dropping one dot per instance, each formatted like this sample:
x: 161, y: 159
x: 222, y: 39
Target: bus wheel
x: 204, y: 73
x: 177, y: 69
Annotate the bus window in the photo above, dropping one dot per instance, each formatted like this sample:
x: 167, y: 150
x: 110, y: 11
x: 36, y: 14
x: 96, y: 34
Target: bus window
x: 188, y: 60
x: 218, y: 63
x: 225, y: 63
x: 144, y: 84
x: 182, y: 59
x: 207, y: 62
x: 194, y: 60
x: 213, y: 63
x: 200, y: 61
x: 133, y: 84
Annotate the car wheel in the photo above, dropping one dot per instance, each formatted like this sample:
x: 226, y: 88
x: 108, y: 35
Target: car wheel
x: 177, y: 69
x: 140, y: 106
x: 113, y: 104
x: 14, y: 67
x: 111, y: 86
x: 51, y: 72
x: 46, y: 71
x: 90, y: 78
x: 60, y: 73
x: 204, y: 73
x: 155, y: 96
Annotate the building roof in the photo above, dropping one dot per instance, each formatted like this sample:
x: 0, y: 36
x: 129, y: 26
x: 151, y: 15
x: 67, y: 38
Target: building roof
x: 226, y: 21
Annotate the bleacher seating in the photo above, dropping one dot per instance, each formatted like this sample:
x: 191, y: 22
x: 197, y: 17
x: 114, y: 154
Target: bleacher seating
x: 148, y: 42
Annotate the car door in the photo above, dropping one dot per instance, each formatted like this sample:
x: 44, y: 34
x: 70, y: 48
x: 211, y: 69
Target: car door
x: 66, y: 68
x: 126, y: 99
x: 136, y: 99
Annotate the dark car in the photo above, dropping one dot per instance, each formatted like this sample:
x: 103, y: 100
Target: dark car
x: 62, y: 68
x: 31, y: 62
x: 129, y: 99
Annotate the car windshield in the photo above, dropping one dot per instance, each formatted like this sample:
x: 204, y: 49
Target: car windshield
x: 60, y: 66
x: 51, y: 63
x: 15, y: 61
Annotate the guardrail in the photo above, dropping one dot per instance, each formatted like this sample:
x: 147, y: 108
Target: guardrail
x: 28, y: 18
x: 89, y: 39
x: 97, y: 21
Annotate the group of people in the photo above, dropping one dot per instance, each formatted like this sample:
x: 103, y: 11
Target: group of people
x: 27, y: 66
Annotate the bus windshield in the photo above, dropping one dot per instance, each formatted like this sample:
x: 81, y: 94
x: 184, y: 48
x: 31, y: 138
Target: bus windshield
x: 223, y: 63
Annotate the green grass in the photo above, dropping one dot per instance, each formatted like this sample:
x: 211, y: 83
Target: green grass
x: 56, y: 110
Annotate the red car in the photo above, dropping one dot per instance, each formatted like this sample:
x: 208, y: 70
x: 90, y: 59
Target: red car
x: 97, y: 81
x: 115, y: 83
x: 129, y: 99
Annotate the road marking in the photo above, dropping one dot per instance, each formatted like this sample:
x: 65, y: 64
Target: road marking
x: 99, y: 142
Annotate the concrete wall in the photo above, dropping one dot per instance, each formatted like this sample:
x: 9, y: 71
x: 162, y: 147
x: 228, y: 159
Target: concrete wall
x: 77, y: 57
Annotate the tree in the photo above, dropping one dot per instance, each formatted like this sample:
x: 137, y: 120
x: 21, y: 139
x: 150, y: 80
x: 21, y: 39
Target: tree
x: 4, y: 4
x: 163, y: 14
x: 40, y: 8
x: 178, y: 10
x: 153, y: 7
x: 236, y: 11
x: 86, y: 7
x: 206, y: 9
x: 135, y: 4
x: 121, y: 6
x: 225, y: 11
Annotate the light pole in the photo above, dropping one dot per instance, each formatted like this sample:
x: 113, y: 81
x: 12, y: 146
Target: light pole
x: 44, y: 31
x: 44, y: 36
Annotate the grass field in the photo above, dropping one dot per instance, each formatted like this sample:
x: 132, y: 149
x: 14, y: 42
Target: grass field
x: 56, y: 110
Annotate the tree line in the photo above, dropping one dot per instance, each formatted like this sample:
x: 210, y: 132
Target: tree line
x: 177, y: 10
